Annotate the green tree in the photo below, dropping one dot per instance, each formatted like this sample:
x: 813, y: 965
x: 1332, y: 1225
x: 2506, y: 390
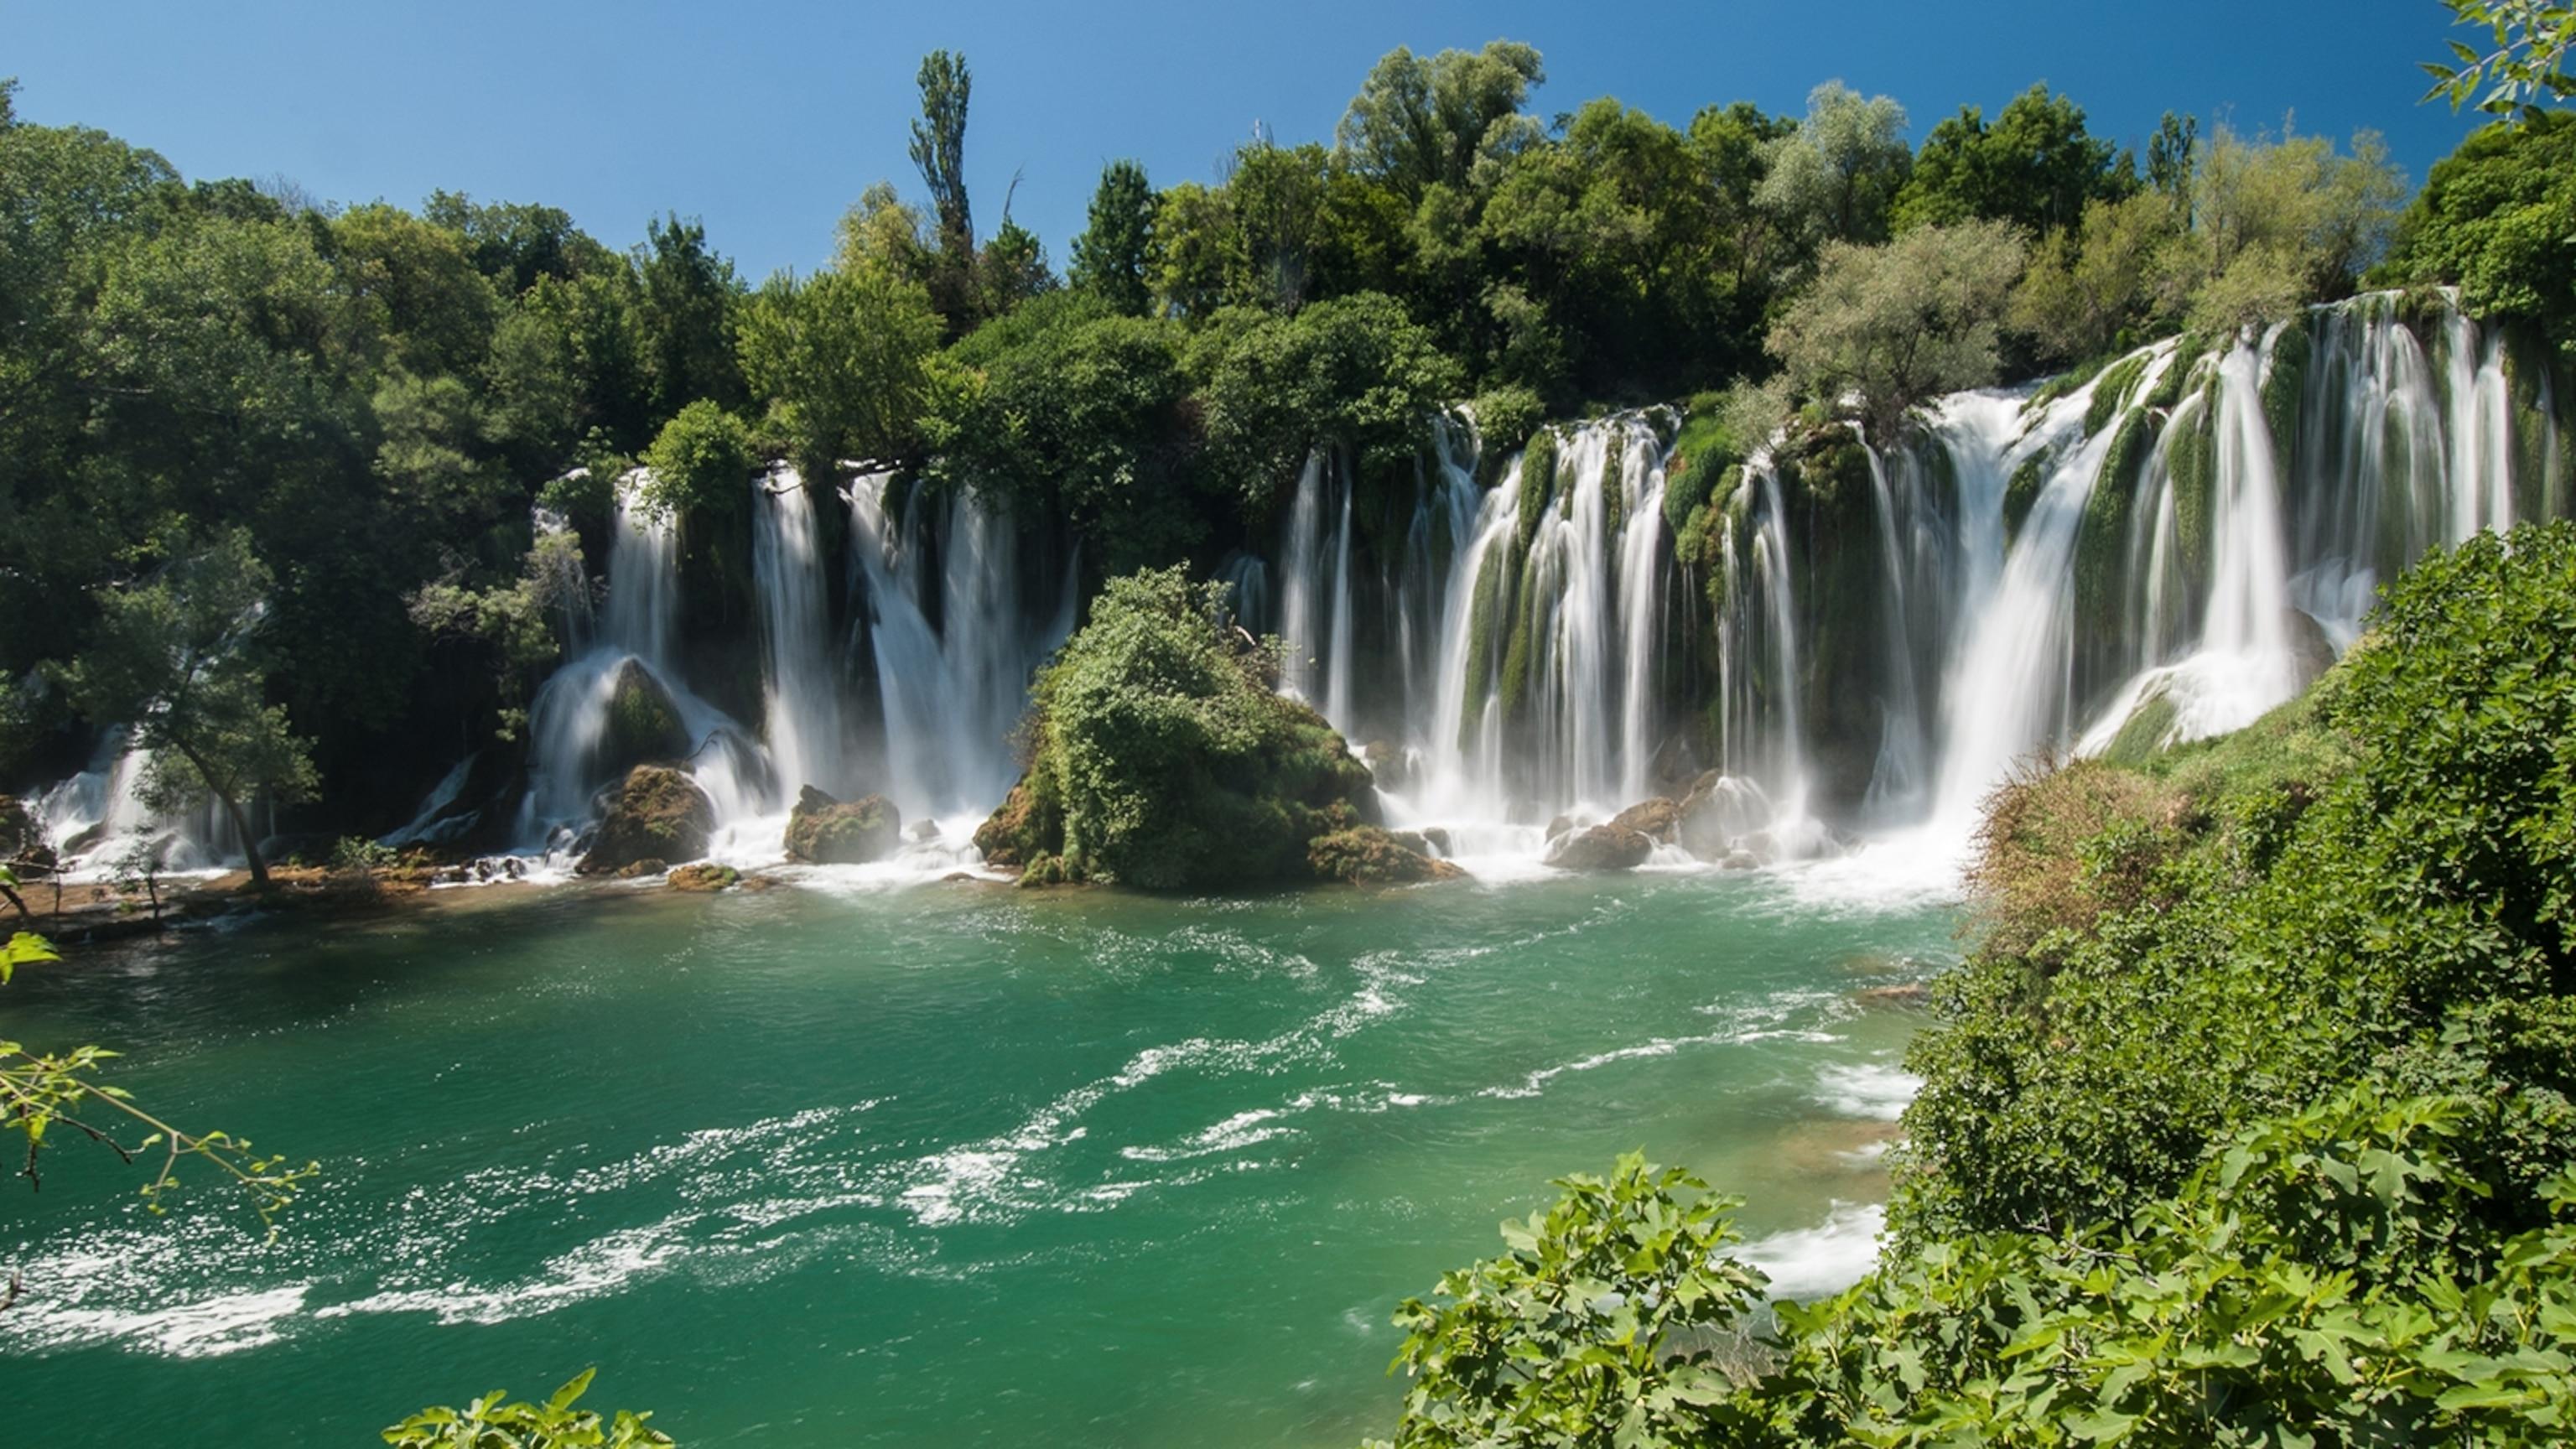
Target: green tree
x: 2091, y: 289
x: 1901, y: 323
x: 1109, y: 258
x: 1418, y: 122
x: 1834, y: 178
x: 685, y: 318
x: 1599, y: 1328
x: 2036, y: 167
x: 841, y: 356
x: 176, y: 660
x: 2497, y: 219
x: 700, y: 463
x: 939, y: 153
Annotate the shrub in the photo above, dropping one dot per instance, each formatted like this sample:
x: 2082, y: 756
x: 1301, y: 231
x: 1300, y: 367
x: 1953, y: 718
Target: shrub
x: 701, y: 462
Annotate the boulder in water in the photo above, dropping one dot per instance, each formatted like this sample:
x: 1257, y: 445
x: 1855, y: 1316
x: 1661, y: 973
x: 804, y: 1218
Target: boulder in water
x: 1658, y: 819
x: 1369, y: 855
x: 1720, y: 812
x: 643, y: 724
x: 1601, y: 848
x: 825, y: 831
x: 1388, y: 765
x: 704, y: 876
x: 658, y: 814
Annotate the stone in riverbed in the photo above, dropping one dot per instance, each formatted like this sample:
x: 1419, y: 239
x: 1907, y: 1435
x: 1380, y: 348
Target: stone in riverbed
x: 1657, y: 819
x: 705, y: 876
x: 825, y: 831
x: 1601, y: 848
x: 1369, y: 855
x: 658, y: 814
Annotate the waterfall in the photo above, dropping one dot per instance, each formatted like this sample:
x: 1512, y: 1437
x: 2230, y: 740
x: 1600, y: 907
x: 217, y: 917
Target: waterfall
x: 952, y: 691
x: 2160, y: 554
x: 98, y: 824
x: 1531, y: 668
x: 573, y: 746
x: 800, y: 687
x: 1874, y: 635
x: 1315, y: 589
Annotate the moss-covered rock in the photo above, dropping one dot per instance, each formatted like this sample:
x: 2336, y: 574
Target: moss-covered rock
x: 825, y: 831
x: 1656, y: 819
x: 1160, y: 759
x: 2022, y: 490
x: 1368, y: 855
x: 643, y: 721
x: 705, y: 876
x: 658, y: 813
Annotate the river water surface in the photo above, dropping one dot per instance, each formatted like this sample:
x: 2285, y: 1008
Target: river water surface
x: 842, y: 1165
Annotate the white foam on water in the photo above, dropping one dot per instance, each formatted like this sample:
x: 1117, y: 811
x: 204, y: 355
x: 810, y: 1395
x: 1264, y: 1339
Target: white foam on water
x: 1806, y: 1263
x: 1871, y: 1091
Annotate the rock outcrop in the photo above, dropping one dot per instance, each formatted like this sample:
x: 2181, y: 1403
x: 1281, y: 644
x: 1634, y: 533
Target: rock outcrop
x: 1368, y: 855
x: 825, y: 831
x: 1658, y: 819
x: 658, y: 814
x: 1601, y: 848
x: 704, y: 876
x: 1161, y: 758
x: 643, y: 722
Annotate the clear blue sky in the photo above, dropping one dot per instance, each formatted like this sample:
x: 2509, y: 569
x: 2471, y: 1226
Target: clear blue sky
x: 767, y: 117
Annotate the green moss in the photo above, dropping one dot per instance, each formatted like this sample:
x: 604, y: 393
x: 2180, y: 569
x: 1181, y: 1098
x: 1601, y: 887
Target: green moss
x: 2143, y: 733
x: 2193, y: 461
x: 1514, y: 685
x: 2284, y: 386
x: 1614, y: 494
x: 2111, y: 391
x: 2169, y: 389
x: 1538, y: 480
x: 2022, y: 492
x: 2102, y: 538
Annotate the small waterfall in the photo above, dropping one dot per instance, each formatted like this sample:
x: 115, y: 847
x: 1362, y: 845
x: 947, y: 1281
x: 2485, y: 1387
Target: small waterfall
x: 1315, y: 589
x: 97, y: 823
x: 800, y: 686
x: 953, y: 690
x: 571, y: 723
x: 1534, y: 679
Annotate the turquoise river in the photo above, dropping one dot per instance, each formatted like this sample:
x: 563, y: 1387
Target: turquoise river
x: 958, y: 1165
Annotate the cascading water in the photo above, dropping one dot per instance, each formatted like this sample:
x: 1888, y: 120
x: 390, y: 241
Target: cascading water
x: 2161, y: 553
x: 800, y: 687
x: 952, y: 691
x: 629, y: 673
x: 1532, y: 682
x: 1315, y: 589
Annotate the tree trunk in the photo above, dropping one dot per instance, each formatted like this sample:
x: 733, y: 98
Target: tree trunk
x: 250, y: 842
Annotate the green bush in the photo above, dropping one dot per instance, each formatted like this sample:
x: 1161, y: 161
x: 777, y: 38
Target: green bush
x: 2382, y: 881
x: 1600, y: 1327
x: 1161, y: 757
x: 701, y: 462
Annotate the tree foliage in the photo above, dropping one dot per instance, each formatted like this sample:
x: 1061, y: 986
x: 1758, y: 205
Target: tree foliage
x: 1900, y: 323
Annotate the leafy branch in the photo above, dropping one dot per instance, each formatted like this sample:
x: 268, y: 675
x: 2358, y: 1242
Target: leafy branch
x: 2531, y: 39
x: 46, y: 1094
x: 492, y: 1422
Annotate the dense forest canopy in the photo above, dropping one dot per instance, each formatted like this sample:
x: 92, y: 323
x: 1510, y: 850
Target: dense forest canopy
x: 365, y: 402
